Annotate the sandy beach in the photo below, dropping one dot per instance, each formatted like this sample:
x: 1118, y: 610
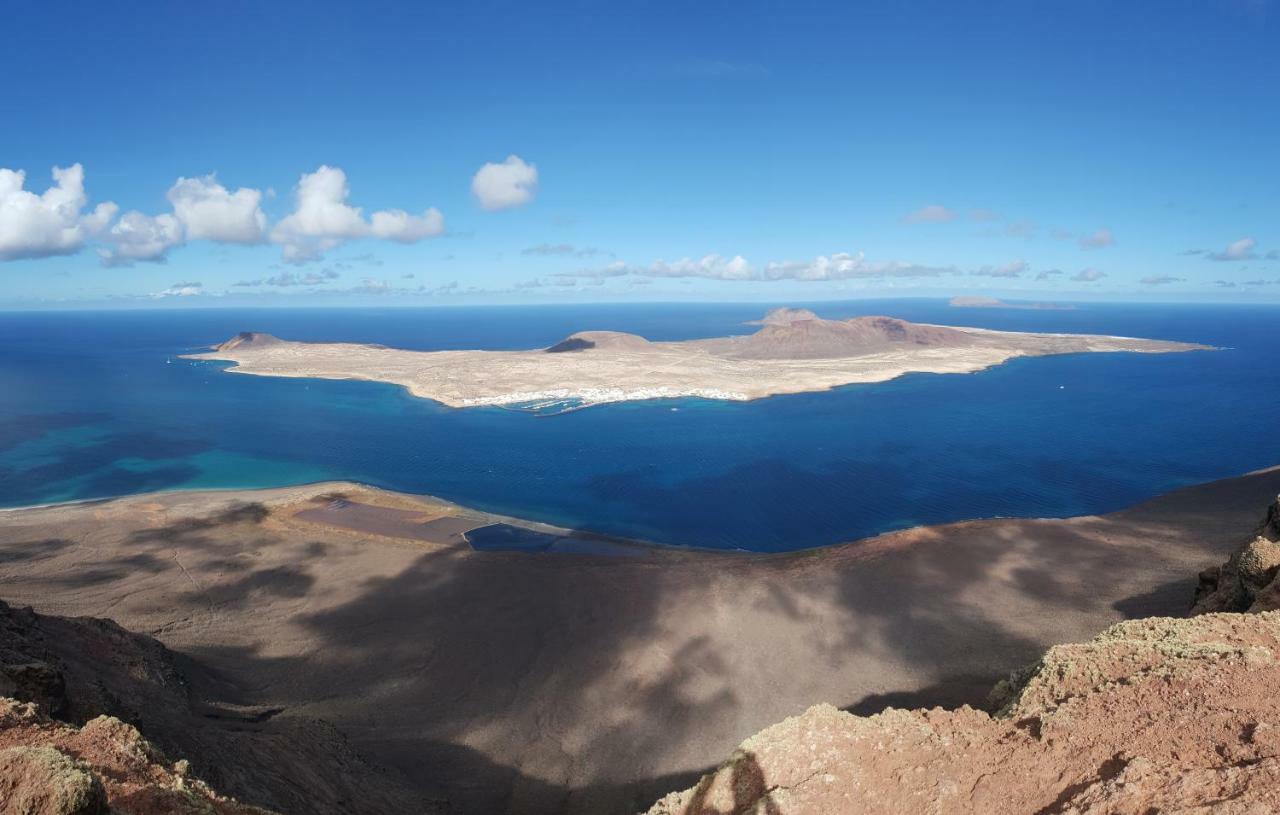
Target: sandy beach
x: 503, y: 681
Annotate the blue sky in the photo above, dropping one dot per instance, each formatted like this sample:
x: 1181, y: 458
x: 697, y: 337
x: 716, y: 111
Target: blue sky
x: 539, y: 152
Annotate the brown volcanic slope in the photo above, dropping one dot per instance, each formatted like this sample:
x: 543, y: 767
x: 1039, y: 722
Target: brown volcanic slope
x: 88, y: 674
x: 804, y: 336
x: 1154, y: 715
x: 504, y: 682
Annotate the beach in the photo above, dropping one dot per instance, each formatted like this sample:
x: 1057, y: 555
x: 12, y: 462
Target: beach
x: 547, y: 682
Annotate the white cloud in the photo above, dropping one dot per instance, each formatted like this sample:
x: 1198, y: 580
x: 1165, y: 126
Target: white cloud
x: 502, y: 186
x: 1098, y: 240
x: 710, y: 266
x: 838, y: 266
x: 209, y: 211
x: 931, y: 214
x: 35, y: 226
x: 1088, y: 275
x: 182, y: 290
x: 1012, y: 269
x: 138, y: 237
x: 548, y: 249
x: 1237, y: 250
x: 398, y: 225
x: 1160, y: 280
x: 322, y: 219
x: 846, y: 266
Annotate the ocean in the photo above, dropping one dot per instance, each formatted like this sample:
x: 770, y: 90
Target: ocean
x: 98, y: 404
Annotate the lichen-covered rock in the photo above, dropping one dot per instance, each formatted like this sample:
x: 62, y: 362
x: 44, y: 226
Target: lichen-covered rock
x: 1154, y: 715
x: 114, y: 769
x: 45, y: 781
x: 1246, y: 582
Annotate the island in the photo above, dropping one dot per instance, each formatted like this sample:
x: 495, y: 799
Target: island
x: 794, y: 351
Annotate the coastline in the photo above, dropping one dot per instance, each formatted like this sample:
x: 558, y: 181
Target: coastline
x: 494, y: 668
x: 288, y: 494
x: 795, y: 353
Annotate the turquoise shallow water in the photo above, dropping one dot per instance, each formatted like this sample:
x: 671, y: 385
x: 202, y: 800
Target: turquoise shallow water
x: 97, y: 404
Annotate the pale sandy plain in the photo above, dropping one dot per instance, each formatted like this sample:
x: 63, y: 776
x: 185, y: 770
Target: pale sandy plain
x: 793, y: 352
x: 540, y: 683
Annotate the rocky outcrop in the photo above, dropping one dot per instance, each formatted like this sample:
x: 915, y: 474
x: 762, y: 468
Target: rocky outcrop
x: 247, y: 339
x: 50, y: 768
x: 73, y: 683
x: 1152, y: 715
x: 1247, y: 581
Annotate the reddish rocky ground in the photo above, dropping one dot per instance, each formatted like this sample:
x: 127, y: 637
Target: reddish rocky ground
x: 1159, y: 715
x: 50, y: 768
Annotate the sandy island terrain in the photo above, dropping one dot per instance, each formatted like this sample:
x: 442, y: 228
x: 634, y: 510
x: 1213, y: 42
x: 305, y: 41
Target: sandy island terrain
x: 794, y: 351
x: 528, y: 683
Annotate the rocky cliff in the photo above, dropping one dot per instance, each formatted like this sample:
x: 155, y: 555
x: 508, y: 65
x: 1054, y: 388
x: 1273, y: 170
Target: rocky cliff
x: 1153, y: 715
x: 68, y: 685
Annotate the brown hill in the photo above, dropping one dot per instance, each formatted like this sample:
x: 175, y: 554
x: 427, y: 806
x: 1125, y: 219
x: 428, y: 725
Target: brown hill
x: 816, y: 338
x: 248, y: 339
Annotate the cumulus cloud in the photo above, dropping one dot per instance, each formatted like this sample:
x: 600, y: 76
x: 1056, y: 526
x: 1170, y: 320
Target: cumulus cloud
x: 398, y: 225
x: 712, y: 266
x: 1237, y: 250
x: 931, y: 214
x: 190, y: 289
x: 1045, y: 274
x: 838, y: 266
x: 1088, y: 275
x: 52, y: 223
x: 846, y: 266
x: 1161, y: 280
x: 1012, y: 269
x: 286, y: 279
x: 322, y: 219
x: 209, y: 211
x: 137, y: 237
x: 510, y: 184
x: 549, y: 249
x: 1100, y: 239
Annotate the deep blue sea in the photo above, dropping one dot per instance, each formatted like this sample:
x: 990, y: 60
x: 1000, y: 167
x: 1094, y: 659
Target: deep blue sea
x: 96, y: 404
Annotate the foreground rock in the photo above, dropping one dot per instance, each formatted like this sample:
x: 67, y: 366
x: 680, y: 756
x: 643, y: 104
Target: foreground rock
x: 49, y: 768
x: 1246, y: 582
x: 72, y: 683
x: 1152, y: 715
x: 794, y: 351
